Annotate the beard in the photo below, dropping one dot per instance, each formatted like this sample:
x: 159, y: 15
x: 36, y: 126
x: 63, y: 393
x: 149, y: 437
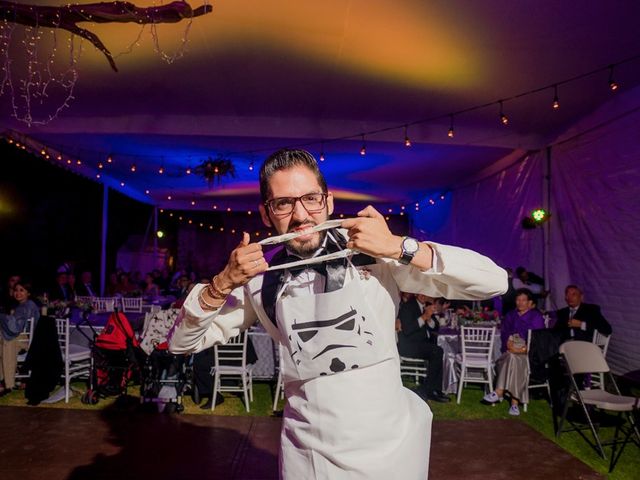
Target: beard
x: 306, y: 248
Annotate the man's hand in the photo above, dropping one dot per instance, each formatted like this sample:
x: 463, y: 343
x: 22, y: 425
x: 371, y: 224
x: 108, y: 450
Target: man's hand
x: 575, y: 323
x: 369, y: 234
x: 245, y: 262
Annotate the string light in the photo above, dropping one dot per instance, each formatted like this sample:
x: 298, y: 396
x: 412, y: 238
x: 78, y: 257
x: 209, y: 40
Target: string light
x: 193, y: 203
x: 503, y: 118
x: 450, y: 132
x: 146, y: 192
x: 109, y: 159
x: 322, y: 151
x: 556, y: 101
x: 100, y: 165
x: 133, y: 168
x: 363, y: 149
x: 188, y: 171
x: 407, y: 140
x: 612, y: 83
x: 161, y: 170
x: 251, y: 166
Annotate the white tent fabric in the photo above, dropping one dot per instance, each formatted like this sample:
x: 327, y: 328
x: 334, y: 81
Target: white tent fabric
x: 595, y: 222
x: 486, y: 216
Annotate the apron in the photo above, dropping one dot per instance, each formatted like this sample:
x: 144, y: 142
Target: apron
x: 347, y: 414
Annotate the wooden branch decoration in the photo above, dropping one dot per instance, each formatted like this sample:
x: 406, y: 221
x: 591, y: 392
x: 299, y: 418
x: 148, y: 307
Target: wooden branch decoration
x: 68, y: 16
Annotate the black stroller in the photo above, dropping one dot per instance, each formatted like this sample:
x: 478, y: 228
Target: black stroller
x: 165, y: 376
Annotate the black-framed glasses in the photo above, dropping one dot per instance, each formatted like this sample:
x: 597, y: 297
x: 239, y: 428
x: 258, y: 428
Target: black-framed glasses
x: 312, y: 202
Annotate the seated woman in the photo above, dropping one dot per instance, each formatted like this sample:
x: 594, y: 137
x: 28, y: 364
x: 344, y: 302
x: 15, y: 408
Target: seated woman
x: 151, y: 291
x: 11, y: 326
x: 512, y: 367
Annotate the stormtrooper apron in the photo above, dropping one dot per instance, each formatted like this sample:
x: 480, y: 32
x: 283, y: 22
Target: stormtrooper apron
x: 347, y: 414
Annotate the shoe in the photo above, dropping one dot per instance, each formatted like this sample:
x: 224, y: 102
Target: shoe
x: 438, y: 397
x: 491, y: 397
x: 514, y: 410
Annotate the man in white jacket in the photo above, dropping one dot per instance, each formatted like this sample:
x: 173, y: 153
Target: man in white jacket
x: 347, y: 414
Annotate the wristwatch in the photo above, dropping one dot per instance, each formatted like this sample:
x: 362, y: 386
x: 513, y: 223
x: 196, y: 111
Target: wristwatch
x: 409, y: 247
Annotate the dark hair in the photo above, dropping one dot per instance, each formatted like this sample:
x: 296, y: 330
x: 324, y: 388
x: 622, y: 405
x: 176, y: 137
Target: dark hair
x: 26, y: 284
x: 527, y: 292
x: 283, y: 160
x: 520, y: 270
x: 566, y: 289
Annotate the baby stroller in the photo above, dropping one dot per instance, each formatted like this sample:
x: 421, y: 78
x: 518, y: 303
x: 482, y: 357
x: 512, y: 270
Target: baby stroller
x: 165, y: 376
x: 115, y: 360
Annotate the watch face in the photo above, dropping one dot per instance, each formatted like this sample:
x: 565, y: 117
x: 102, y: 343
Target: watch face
x: 410, y: 245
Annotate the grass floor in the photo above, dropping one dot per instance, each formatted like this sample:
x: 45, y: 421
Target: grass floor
x: 538, y: 417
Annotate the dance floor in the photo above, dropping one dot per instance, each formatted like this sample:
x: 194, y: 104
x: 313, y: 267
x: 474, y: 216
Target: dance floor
x: 58, y: 444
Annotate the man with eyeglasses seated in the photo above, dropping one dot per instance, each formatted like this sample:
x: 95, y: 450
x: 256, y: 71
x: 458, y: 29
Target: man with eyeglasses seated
x: 347, y: 413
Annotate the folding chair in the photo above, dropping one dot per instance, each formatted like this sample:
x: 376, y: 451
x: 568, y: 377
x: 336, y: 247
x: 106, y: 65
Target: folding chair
x: 534, y: 385
x: 25, y: 342
x: 230, y: 360
x: 582, y: 358
x: 76, y: 358
x: 602, y: 341
x: 132, y: 304
x: 413, y: 367
x: 476, y: 360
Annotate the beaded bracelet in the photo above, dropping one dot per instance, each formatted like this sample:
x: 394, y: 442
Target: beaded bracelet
x: 214, y: 290
x: 204, y: 304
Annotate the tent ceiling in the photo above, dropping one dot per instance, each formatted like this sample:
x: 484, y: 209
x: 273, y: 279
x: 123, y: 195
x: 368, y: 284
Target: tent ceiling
x: 260, y: 75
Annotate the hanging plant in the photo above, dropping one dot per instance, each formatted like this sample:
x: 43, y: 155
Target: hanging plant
x: 214, y: 169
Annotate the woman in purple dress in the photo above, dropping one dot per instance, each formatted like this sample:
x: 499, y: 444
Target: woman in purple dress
x: 512, y: 366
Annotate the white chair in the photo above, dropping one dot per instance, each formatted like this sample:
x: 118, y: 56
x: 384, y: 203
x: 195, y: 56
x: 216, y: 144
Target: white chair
x: 132, y: 304
x: 586, y: 358
x: 476, y: 360
x: 103, y: 304
x: 230, y: 362
x: 25, y: 342
x: 602, y: 341
x: 279, y: 393
x: 76, y: 358
x: 413, y: 367
x: 533, y: 386
x: 84, y: 299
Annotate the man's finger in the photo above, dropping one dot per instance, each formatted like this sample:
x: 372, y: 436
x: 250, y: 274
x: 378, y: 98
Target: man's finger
x: 370, y: 212
x: 246, y: 238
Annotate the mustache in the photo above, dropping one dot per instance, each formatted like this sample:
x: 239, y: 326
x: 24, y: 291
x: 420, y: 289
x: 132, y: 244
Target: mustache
x: 295, y: 225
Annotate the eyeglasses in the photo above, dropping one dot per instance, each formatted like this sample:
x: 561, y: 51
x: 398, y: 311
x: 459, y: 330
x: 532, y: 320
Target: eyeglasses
x: 312, y: 202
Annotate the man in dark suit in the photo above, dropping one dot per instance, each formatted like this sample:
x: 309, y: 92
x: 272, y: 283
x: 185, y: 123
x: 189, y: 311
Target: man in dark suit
x: 417, y: 339
x: 85, y: 288
x: 578, y: 320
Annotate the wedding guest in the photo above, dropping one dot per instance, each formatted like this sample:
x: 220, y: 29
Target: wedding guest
x: 112, y: 285
x: 530, y: 281
x: 150, y: 289
x: 61, y: 290
x: 85, y: 287
x: 417, y: 339
x: 71, y: 285
x: 8, y: 302
x: 578, y: 320
x: 124, y: 286
x: 509, y: 298
x: 11, y: 327
x: 512, y: 366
